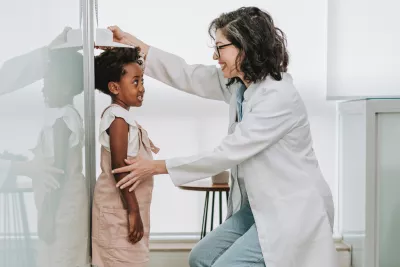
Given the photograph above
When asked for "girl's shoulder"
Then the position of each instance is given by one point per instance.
(116, 111)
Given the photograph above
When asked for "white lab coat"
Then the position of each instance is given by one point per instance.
(291, 202)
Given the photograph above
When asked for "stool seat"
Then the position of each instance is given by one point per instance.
(205, 185)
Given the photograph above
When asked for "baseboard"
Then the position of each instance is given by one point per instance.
(176, 253)
(188, 242)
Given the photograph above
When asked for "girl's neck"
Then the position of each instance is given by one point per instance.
(119, 102)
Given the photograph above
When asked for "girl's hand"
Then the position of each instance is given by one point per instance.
(135, 227)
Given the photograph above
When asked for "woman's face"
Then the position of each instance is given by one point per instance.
(130, 87)
(226, 54)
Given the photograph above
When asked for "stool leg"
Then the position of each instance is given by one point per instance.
(212, 211)
(25, 227)
(220, 207)
(227, 196)
(205, 221)
(204, 224)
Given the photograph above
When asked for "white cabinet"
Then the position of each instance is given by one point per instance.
(369, 180)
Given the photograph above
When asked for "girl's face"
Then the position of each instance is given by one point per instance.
(129, 90)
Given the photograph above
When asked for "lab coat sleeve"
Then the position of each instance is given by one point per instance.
(270, 119)
(5, 166)
(201, 80)
(23, 70)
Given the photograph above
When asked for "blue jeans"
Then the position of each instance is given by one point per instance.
(234, 243)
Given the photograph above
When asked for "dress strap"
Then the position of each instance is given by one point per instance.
(152, 147)
(108, 108)
(105, 111)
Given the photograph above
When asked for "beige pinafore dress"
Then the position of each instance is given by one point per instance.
(110, 245)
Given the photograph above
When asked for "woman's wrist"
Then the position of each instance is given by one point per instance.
(160, 167)
(144, 48)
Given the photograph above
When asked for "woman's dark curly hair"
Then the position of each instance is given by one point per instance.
(261, 45)
(109, 66)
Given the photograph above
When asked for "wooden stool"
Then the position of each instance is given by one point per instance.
(207, 186)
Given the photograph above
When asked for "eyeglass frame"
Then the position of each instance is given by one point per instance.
(218, 47)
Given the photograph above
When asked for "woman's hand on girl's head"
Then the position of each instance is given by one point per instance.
(122, 37)
(118, 34)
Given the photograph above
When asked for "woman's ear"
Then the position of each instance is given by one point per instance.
(113, 87)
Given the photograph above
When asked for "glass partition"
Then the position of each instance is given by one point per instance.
(44, 186)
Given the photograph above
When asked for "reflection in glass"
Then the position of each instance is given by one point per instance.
(43, 195)
(60, 143)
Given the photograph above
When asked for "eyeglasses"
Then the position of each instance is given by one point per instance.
(218, 47)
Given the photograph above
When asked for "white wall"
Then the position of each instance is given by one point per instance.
(363, 54)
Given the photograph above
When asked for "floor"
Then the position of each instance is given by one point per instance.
(169, 259)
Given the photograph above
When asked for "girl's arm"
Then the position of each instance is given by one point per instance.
(118, 133)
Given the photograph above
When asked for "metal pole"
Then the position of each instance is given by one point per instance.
(89, 109)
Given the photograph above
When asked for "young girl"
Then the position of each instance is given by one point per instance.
(121, 219)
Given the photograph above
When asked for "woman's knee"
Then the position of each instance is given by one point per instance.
(194, 259)
(199, 256)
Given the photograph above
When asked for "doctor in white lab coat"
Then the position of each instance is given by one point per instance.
(280, 211)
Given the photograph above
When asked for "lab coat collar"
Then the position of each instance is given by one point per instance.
(250, 91)
(253, 87)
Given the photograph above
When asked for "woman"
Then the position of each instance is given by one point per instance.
(280, 210)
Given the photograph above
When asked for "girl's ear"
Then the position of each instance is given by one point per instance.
(113, 87)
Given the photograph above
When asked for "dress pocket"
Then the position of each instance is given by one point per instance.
(113, 228)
